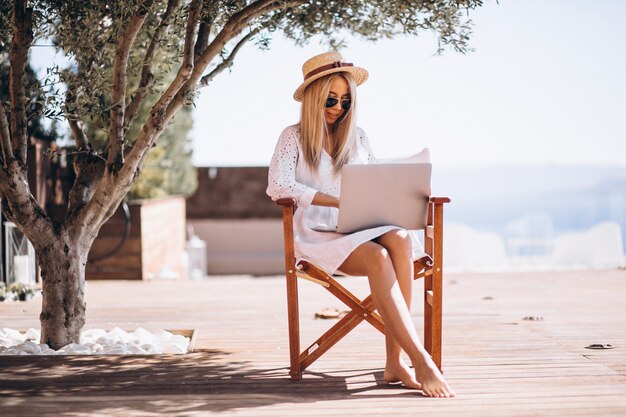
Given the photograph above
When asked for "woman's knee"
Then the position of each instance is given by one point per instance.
(398, 241)
(378, 258)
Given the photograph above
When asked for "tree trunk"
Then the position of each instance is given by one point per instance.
(63, 280)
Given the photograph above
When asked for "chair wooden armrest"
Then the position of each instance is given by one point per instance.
(438, 200)
(287, 201)
(290, 201)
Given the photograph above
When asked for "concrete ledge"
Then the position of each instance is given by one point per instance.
(242, 246)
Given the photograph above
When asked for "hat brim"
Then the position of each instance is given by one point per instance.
(360, 76)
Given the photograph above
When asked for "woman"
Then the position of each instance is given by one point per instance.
(307, 166)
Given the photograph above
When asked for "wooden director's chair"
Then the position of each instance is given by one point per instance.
(361, 309)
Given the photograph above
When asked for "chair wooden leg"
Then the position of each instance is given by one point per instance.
(436, 317)
(432, 326)
(428, 285)
(433, 285)
(428, 320)
(294, 328)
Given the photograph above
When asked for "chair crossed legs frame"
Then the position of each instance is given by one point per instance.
(361, 309)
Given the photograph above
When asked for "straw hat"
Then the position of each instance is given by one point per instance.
(324, 64)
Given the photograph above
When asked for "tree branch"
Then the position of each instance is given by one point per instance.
(185, 71)
(253, 9)
(260, 8)
(79, 135)
(4, 179)
(20, 203)
(195, 13)
(204, 81)
(146, 70)
(120, 79)
(155, 121)
(233, 27)
(89, 169)
(5, 139)
(25, 211)
(22, 38)
(203, 38)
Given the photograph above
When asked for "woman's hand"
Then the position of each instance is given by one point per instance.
(326, 200)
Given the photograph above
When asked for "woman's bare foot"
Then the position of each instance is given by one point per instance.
(433, 384)
(400, 372)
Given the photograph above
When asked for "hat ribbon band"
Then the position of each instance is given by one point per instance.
(323, 68)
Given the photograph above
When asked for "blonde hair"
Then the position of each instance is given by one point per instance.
(313, 126)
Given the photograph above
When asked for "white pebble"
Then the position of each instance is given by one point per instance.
(13, 335)
(5, 341)
(33, 334)
(96, 341)
(114, 350)
(106, 341)
(136, 350)
(93, 333)
(30, 348)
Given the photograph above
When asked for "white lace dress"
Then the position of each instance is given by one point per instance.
(314, 237)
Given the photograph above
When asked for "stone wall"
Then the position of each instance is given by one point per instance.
(232, 193)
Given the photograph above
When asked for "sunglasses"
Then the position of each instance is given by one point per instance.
(332, 101)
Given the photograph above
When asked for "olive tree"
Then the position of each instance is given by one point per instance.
(112, 48)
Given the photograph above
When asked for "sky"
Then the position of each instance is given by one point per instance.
(545, 85)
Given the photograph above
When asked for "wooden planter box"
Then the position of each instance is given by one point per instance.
(154, 248)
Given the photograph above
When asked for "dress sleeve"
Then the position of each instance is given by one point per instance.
(281, 180)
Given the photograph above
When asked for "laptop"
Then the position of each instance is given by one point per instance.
(384, 194)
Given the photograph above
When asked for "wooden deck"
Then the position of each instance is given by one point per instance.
(498, 363)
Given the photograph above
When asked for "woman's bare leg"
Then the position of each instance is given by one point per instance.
(374, 260)
(398, 244)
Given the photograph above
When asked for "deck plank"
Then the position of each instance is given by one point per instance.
(498, 363)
